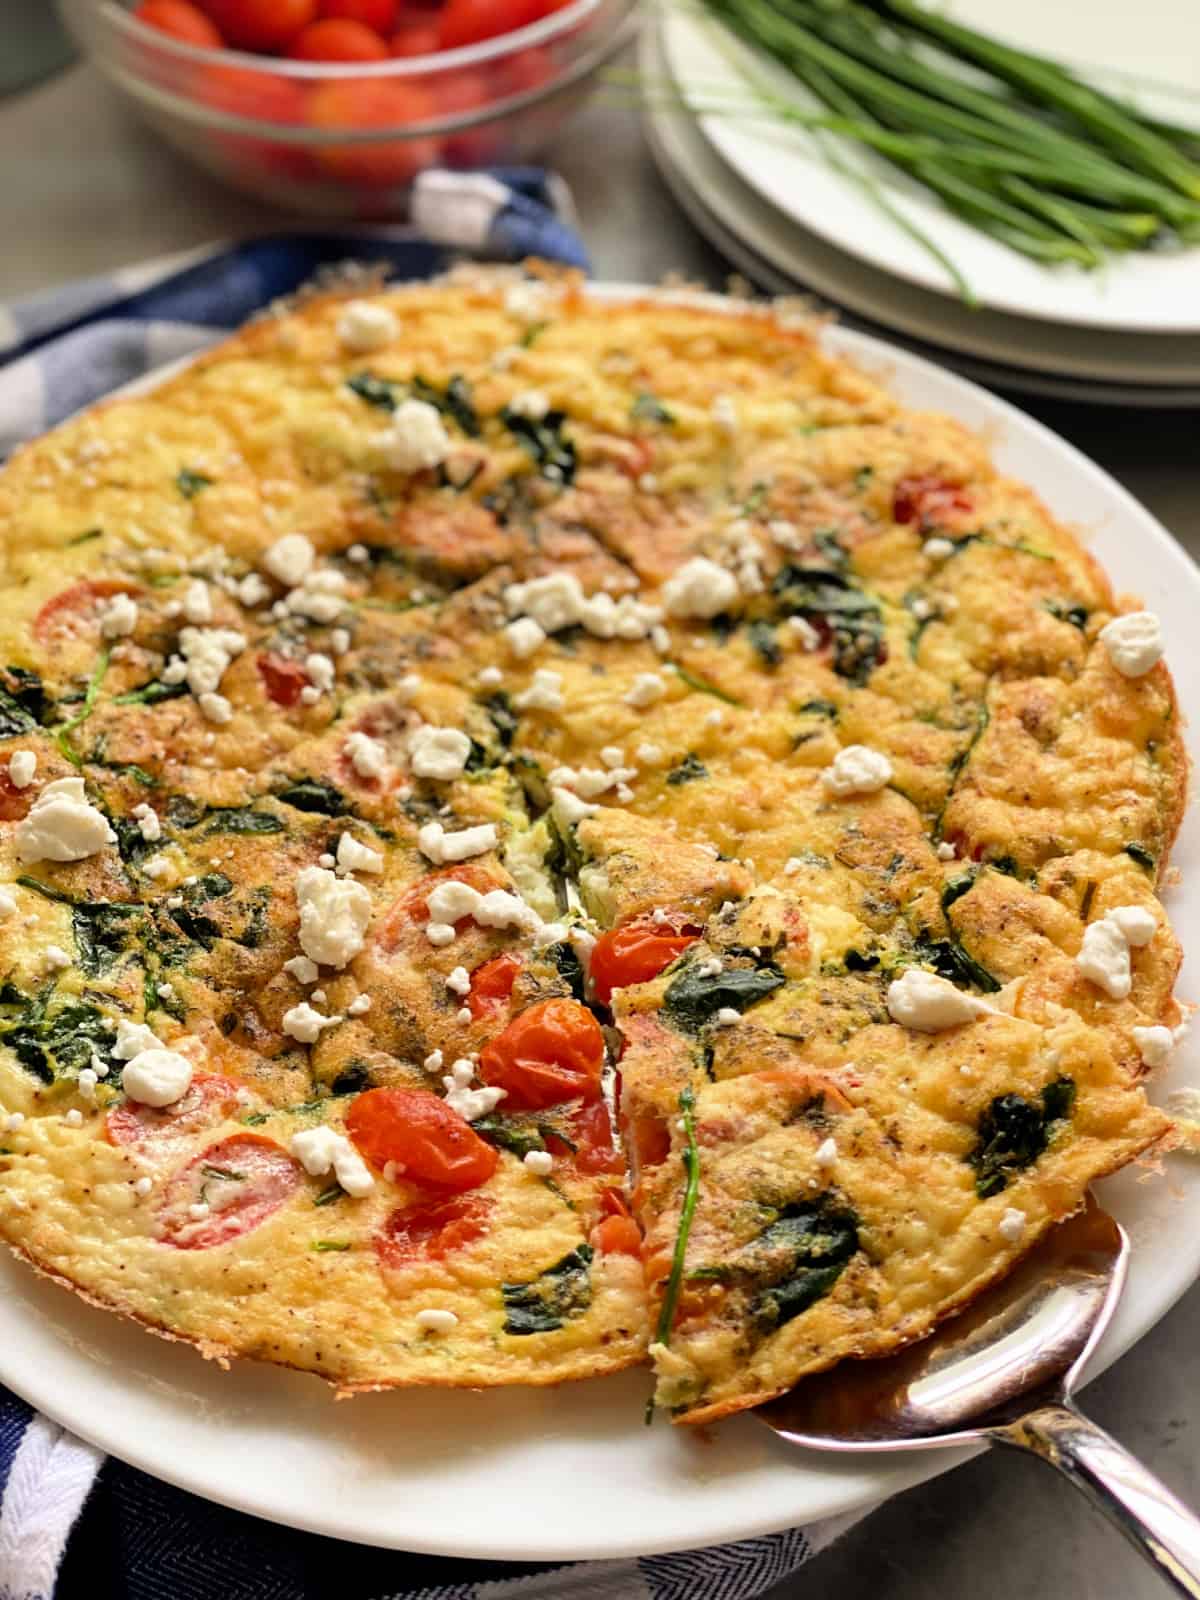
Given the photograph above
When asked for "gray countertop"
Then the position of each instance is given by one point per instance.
(84, 188)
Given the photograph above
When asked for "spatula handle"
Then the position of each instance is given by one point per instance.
(1116, 1483)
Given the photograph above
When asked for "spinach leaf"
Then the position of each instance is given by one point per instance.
(801, 1255)
(354, 1077)
(103, 932)
(950, 960)
(688, 770)
(85, 537)
(820, 708)
(16, 717)
(242, 819)
(454, 401)
(763, 640)
(503, 717)
(692, 998)
(1139, 853)
(190, 483)
(703, 686)
(852, 619)
(542, 439)
(649, 408)
(378, 392)
(1013, 1133)
(184, 812)
(45, 1041)
(1076, 615)
(547, 1301)
(151, 694)
(313, 794)
(570, 969)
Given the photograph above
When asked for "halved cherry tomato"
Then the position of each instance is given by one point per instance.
(76, 609)
(592, 1135)
(617, 1236)
(379, 15)
(416, 39)
(243, 1180)
(284, 679)
(432, 1232)
(211, 1098)
(181, 20)
(14, 802)
(246, 92)
(335, 39)
(550, 1053)
(928, 499)
(649, 1141)
(260, 24)
(418, 1131)
(492, 984)
(364, 104)
(636, 952)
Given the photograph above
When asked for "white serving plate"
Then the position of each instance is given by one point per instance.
(1154, 293)
(556, 1474)
(785, 259)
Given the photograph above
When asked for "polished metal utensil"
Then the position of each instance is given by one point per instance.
(1003, 1372)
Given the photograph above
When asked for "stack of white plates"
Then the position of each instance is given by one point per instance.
(764, 194)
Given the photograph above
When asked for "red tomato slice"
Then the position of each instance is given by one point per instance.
(181, 20)
(550, 1053)
(337, 39)
(260, 24)
(432, 1232)
(617, 1236)
(929, 500)
(284, 679)
(636, 952)
(243, 1179)
(595, 1145)
(210, 1099)
(379, 15)
(425, 1138)
(492, 984)
(351, 104)
(74, 611)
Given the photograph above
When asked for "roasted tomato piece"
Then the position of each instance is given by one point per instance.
(636, 952)
(76, 609)
(492, 984)
(283, 679)
(550, 1053)
(412, 908)
(617, 1236)
(241, 1180)
(432, 1232)
(424, 1138)
(595, 1145)
(929, 500)
(210, 1099)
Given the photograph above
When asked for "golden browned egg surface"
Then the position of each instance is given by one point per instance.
(411, 642)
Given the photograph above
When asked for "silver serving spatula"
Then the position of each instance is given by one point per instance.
(1003, 1372)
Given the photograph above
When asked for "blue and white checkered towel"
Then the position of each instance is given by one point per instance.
(71, 1522)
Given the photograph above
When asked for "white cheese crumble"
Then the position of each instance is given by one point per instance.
(133, 1038)
(334, 913)
(204, 655)
(946, 851)
(320, 671)
(439, 753)
(252, 591)
(435, 1319)
(290, 559)
(589, 782)
(8, 904)
(826, 1154)
(56, 958)
(450, 902)
(142, 1187)
(22, 765)
(156, 1076)
(569, 808)
(441, 846)
(923, 1001)
(645, 689)
(417, 438)
(648, 754)
(1104, 954)
(1134, 642)
(557, 601)
(531, 403)
(354, 856)
(724, 413)
(1012, 1225)
(62, 825)
(118, 616)
(469, 1103)
(305, 1024)
(490, 678)
(699, 588)
(727, 1017)
(938, 549)
(364, 326)
(459, 981)
(857, 770)
(543, 694)
(197, 602)
(1154, 1045)
(539, 1162)
(14, 1120)
(320, 1150)
(359, 1006)
(320, 597)
(74, 1118)
(804, 633)
(524, 637)
(148, 822)
(215, 707)
(367, 756)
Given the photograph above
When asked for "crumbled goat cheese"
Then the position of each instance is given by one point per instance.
(435, 1319)
(439, 753)
(531, 403)
(826, 1154)
(569, 808)
(699, 588)
(459, 981)
(648, 754)
(724, 413)
(557, 601)
(645, 689)
(938, 549)
(543, 694)
(62, 825)
(469, 1103)
(118, 616)
(927, 1003)
(320, 597)
(320, 671)
(727, 1017)
(539, 1162)
(305, 1024)
(148, 823)
(1154, 1045)
(367, 756)
(417, 438)
(56, 958)
(205, 653)
(339, 641)
(22, 765)
(524, 637)
(857, 770)
(1012, 1225)
(588, 782)
(156, 1076)
(490, 678)
(252, 591)
(133, 1038)
(14, 1120)
(320, 1150)
(527, 300)
(1104, 954)
(215, 708)
(441, 846)
(142, 1187)
(364, 326)
(290, 559)
(1134, 642)
(353, 856)
(74, 1118)
(359, 1006)
(946, 851)
(804, 633)
(8, 904)
(334, 913)
(451, 901)
(197, 602)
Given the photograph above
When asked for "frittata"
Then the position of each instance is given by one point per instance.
(536, 829)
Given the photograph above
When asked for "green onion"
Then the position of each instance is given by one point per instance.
(84, 712)
(691, 1166)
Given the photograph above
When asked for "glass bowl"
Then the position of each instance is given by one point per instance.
(346, 140)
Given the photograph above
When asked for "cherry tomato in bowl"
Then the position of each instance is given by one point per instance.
(550, 1053)
(371, 105)
(182, 21)
(335, 39)
(380, 16)
(260, 24)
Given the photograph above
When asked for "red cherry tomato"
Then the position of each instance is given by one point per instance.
(466, 22)
(14, 802)
(617, 1236)
(550, 1053)
(181, 20)
(284, 679)
(366, 104)
(636, 952)
(243, 1179)
(260, 24)
(432, 1232)
(492, 984)
(246, 92)
(459, 94)
(524, 71)
(75, 610)
(378, 15)
(210, 1099)
(416, 39)
(592, 1135)
(929, 500)
(333, 39)
(418, 1131)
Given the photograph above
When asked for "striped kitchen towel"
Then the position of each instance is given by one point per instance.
(72, 1522)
